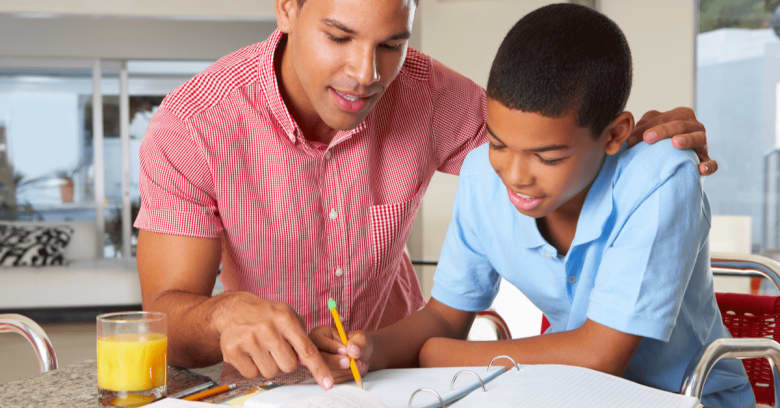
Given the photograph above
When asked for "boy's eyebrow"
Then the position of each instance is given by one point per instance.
(536, 150)
(340, 26)
(493, 134)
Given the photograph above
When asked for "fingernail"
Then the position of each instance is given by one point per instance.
(344, 363)
(354, 351)
(650, 136)
(342, 350)
(706, 167)
(327, 382)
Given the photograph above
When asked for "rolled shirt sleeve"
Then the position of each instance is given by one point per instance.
(177, 188)
(649, 260)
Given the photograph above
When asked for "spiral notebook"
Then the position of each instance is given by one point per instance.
(544, 385)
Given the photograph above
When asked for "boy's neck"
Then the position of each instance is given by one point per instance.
(559, 227)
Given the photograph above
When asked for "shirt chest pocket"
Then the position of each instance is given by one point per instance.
(390, 228)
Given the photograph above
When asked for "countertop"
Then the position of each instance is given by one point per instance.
(76, 385)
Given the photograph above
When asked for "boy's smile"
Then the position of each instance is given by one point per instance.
(546, 163)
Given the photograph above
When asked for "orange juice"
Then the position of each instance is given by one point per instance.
(132, 362)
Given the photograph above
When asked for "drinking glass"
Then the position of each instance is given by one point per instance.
(132, 358)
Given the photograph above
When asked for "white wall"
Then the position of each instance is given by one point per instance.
(79, 36)
(206, 9)
(661, 34)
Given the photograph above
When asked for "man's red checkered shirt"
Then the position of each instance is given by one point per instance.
(302, 221)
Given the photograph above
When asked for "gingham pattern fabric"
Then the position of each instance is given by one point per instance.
(302, 221)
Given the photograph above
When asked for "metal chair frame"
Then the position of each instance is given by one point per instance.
(734, 264)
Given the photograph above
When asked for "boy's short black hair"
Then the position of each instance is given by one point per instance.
(562, 57)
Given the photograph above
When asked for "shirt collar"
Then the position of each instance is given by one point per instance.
(597, 208)
(269, 85)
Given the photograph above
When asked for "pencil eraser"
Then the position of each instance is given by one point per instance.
(331, 304)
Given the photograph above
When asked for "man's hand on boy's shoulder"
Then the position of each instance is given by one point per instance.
(682, 126)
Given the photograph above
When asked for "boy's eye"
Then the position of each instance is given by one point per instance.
(551, 161)
(337, 39)
(495, 146)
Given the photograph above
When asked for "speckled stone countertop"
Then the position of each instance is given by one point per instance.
(76, 386)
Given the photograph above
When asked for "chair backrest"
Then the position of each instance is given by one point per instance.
(748, 315)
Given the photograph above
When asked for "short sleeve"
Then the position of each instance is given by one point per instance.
(464, 279)
(647, 265)
(459, 112)
(177, 188)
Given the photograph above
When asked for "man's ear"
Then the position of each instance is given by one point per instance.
(286, 13)
(617, 132)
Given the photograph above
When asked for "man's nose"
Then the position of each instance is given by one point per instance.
(363, 67)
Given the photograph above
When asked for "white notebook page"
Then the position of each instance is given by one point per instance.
(392, 386)
(553, 386)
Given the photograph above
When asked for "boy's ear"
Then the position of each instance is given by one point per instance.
(617, 132)
(286, 13)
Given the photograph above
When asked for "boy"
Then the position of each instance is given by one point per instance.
(611, 244)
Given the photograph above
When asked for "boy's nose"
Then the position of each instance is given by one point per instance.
(517, 174)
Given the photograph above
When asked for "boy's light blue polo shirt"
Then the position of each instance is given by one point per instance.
(639, 262)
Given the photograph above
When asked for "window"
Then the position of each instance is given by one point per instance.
(47, 153)
(738, 99)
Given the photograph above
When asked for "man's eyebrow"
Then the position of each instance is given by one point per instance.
(335, 24)
(400, 36)
(340, 26)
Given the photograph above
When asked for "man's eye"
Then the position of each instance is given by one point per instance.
(495, 146)
(392, 47)
(337, 39)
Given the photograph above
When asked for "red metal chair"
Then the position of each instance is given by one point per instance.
(751, 316)
(497, 322)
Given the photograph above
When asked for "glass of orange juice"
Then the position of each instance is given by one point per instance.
(132, 358)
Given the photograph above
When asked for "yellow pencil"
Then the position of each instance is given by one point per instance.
(335, 313)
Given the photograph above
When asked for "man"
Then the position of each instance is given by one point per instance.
(298, 164)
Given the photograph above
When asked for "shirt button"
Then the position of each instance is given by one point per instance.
(339, 272)
(327, 155)
(333, 214)
(572, 278)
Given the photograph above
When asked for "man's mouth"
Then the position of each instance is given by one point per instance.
(348, 101)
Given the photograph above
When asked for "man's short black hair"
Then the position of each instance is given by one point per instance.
(563, 57)
(300, 2)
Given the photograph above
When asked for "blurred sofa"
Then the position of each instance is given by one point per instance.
(84, 279)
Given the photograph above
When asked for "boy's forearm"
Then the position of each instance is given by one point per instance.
(610, 354)
(399, 344)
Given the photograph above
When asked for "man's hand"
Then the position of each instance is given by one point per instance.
(257, 336)
(682, 126)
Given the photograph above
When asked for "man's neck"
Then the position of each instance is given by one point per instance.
(294, 97)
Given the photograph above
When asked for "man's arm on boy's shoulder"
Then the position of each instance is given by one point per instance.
(683, 127)
(592, 345)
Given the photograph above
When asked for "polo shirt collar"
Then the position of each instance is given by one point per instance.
(598, 205)
(269, 85)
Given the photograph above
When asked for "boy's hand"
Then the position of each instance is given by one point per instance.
(336, 355)
(682, 126)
